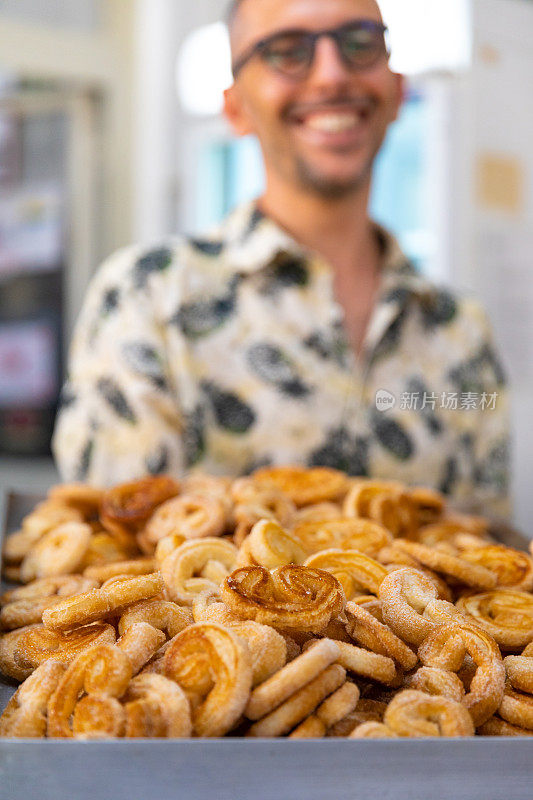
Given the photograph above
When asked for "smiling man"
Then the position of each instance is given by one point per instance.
(297, 331)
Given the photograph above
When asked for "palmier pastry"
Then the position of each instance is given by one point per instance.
(305, 486)
(269, 546)
(85, 703)
(23, 650)
(355, 571)
(25, 714)
(156, 707)
(193, 516)
(58, 552)
(162, 614)
(513, 569)
(348, 534)
(126, 508)
(197, 566)
(433, 680)
(507, 615)
(212, 666)
(290, 597)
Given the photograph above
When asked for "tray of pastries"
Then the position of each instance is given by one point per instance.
(292, 619)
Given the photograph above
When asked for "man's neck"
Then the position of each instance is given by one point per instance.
(338, 229)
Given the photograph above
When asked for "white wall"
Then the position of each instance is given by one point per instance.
(498, 242)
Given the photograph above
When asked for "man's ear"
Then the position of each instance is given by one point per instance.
(235, 113)
(400, 93)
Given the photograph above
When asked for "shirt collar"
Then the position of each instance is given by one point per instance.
(252, 241)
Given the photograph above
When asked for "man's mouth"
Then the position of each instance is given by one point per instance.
(332, 119)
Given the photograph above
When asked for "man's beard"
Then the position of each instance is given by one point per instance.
(332, 188)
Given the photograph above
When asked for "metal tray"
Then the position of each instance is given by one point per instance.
(241, 769)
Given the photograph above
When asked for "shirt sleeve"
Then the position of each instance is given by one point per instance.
(485, 441)
(119, 416)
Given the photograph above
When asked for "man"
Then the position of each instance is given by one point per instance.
(297, 332)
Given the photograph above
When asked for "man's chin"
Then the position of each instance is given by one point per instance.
(329, 186)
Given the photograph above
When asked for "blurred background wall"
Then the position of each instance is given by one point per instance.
(110, 133)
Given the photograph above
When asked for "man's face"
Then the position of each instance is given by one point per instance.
(321, 133)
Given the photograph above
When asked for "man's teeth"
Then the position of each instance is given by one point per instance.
(333, 123)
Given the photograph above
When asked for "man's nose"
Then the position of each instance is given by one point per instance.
(328, 66)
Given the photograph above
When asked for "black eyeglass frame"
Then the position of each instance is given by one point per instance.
(312, 38)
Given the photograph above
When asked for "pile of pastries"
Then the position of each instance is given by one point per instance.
(294, 602)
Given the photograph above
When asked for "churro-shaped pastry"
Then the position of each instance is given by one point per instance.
(470, 574)
(404, 595)
(411, 713)
(517, 708)
(372, 730)
(140, 642)
(346, 533)
(365, 629)
(212, 666)
(495, 726)
(354, 570)
(433, 680)
(161, 614)
(184, 570)
(126, 508)
(23, 650)
(305, 486)
(112, 598)
(504, 613)
(25, 714)
(85, 703)
(290, 597)
(365, 663)
(269, 546)
(338, 705)
(513, 569)
(310, 728)
(300, 705)
(519, 670)
(193, 516)
(138, 566)
(299, 672)
(156, 707)
(58, 552)
(447, 646)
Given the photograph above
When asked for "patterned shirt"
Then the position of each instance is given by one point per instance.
(230, 352)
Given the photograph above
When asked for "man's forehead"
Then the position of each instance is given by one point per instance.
(254, 19)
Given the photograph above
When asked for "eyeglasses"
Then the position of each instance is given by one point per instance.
(361, 44)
